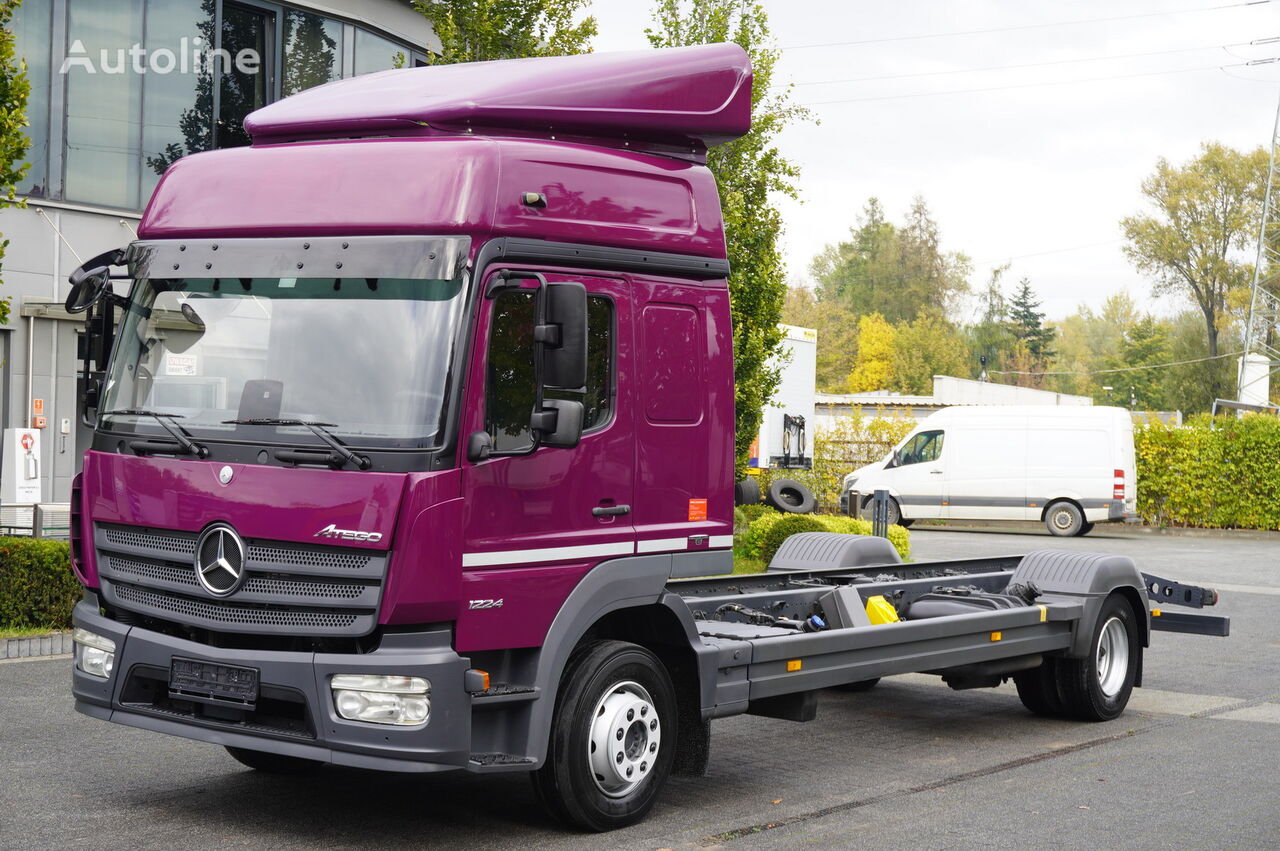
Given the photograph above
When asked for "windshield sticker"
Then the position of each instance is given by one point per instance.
(180, 364)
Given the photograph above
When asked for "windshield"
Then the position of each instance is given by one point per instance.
(368, 358)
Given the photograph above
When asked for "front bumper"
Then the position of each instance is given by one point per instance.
(294, 715)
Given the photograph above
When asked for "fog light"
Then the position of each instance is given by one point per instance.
(377, 699)
(95, 654)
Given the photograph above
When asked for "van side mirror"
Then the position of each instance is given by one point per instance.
(558, 423)
(562, 332)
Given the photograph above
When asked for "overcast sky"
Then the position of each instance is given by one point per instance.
(1038, 175)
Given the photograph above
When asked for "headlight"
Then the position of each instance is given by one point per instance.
(95, 654)
(378, 699)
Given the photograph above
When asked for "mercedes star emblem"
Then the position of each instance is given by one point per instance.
(220, 560)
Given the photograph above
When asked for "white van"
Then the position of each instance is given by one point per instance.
(1067, 466)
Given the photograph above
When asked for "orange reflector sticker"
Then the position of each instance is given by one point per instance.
(1044, 614)
(996, 636)
(697, 509)
(1155, 613)
(794, 665)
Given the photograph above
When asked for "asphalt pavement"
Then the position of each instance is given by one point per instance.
(1194, 762)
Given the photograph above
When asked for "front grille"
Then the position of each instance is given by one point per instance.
(289, 589)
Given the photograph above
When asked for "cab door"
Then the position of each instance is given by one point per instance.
(535, 520)
(919, 476)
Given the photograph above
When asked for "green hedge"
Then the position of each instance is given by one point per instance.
(763, 537)
(37, 587)
(1219, 475)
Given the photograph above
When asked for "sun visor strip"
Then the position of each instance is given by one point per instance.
(406, 257)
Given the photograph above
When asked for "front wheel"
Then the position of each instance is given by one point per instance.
(612, 739)
(1097, 687)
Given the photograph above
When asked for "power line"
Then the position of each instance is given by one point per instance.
(1050, 251)
(1037, 85)
(1023, 65)
(1117, 369)
(1022, 27)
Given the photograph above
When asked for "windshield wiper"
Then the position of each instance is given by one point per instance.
(320, 430)
(185, 443)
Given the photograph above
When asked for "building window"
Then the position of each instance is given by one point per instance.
(374, 53)
(245, 71)
(177, 107)
(33, 32)
(125, 128)
(104, 109)
(312, 51)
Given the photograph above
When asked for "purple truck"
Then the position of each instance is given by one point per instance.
(413, 451)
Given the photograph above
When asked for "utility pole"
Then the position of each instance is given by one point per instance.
(1260, 344)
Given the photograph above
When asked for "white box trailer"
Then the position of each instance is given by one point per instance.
(785, 437)
(1066, 466)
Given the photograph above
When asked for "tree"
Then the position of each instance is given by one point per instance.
(1206, 215)
(873, 368)
(837, 335)
(924, 348)
(1027, 323)
(990, 339)
(898, 272)
(480, 30)
(1145, 344)
(15, 88)
(750, 172)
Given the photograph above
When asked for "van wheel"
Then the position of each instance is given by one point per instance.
(790, 496)
(612, 738)
(1097, 687)
(894, 513)
(1064, 519)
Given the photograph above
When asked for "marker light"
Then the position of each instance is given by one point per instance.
(95, 654)
(379, 699)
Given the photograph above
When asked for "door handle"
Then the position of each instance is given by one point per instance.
(935, 472)
(610, 510)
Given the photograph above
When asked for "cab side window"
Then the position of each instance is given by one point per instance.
(511, 384)
(924, 447)
(598, 396)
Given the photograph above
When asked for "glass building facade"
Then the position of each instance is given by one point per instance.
(120, 89)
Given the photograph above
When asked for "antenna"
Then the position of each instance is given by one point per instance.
(1261, 345)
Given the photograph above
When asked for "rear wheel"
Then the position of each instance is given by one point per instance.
(1097, 688)
(612, 739)
(273, 763)
(1064, 519)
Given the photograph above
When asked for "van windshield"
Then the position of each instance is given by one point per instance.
(367, 358)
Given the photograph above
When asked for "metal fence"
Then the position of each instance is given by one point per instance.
(45, 520)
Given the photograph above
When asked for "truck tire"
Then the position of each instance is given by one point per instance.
(273, 763)
(790, 496)
(612, 738)
(1064, 519)
(747, 491)
(1038, 689)
(1097, 688)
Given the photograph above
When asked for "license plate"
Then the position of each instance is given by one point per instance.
(206, 679)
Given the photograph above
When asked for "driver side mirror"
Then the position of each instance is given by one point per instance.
(559, 423)
(92, 281)
(562, 333)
